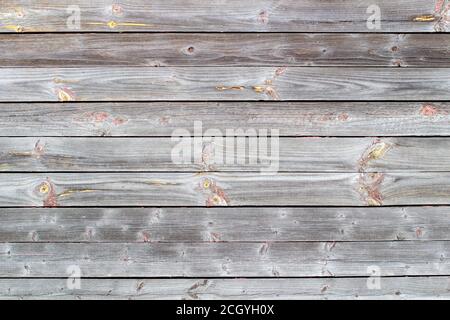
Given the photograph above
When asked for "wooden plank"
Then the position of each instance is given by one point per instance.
(235, 15)
(231, 259)
(224, 83)
(223, 224)
(212, 289)
(287, 154)
(237, 49)
(290, 118)
(224, 189)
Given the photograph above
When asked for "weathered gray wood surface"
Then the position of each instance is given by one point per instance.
(233, 289)
(224, 189)
(162, 118)
(119, 207)
(223, 224)
(237, 49)
(291, 154)
(215, 15)
(230, 259)
(222, 83)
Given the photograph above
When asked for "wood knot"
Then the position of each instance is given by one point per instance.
(145, 236)
(196, 286)
(425, 18)
(263, 17)
(206, 184)
(268, 90)
(428, 110)
(117, 9)
(44, 188)
(419, 232)
(369, 188)
(65, 94)
(280, 71)
(39, 149)
(374, 152)
(111, 24)
(15, 28)
(20, 13)
(48, 191)
(214, 237)
(216, 195)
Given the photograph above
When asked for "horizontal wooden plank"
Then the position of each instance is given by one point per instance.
(224, 189)
(231, 259)
(290, 118)
(237, 49)
(235, 15)
(223, 224)
(222, 83)
(224, 154)
(230, 289)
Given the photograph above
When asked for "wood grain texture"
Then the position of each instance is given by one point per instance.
(231, 259)
(229, 289)
(224, 189)
(235, 15)
(236, 49)
(222, 83)
(287, 154)
(162, 118)
(223, 224)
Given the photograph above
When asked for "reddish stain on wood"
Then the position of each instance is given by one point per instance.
(429, 110)
(215, 237)
(331, 245)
